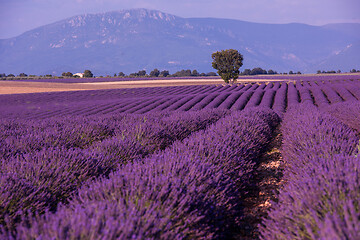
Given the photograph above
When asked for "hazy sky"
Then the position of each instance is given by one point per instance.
(18, 16)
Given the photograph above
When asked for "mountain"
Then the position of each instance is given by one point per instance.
(136, 39)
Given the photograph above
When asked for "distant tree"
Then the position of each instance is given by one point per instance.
(182, 73)
(22, 75)
(211, 74)
(164, 73)
(339, 71)
(67, 74)
(155, 73)
(318, 71)
(88, 74)
(291, 72)
(298, 72)
(142, 73)
(227, 62)
(115, 75)
(2, 75)
(271, 72)
(195, 73)
(133, 75)
(353, 70)
(11, 75)
(121, 74)
(258, 71)
(247, 71)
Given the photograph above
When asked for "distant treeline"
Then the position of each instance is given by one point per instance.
(157, 73)
(338, 71)
(140, 74)
(165, 73)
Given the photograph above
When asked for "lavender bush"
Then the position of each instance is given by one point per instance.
(191, 190)
(56, 159)
(321, 179)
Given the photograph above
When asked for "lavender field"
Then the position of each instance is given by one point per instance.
(274, 160)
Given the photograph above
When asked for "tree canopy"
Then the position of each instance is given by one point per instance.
(88, 74)
(227, 62)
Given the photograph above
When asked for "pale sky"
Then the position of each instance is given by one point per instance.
(18, 16)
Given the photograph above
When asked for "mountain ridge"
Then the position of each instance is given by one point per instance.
(136, 39)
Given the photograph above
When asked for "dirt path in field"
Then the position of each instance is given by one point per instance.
(13, 87)
(268, 179)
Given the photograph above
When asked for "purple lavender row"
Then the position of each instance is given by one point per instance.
(306, 96)
(205, 89)
(217, 101)
(320, 99)
(255, 98)
(143, 105)
(229, 101)
(268, 98)
(43, 162)
(205, 101)
(279, 105)
(187, 106)
(193, 190)
(242, 100)
(343, 92)
(262, 86)
(165, 104)
(152, 106)
(354, 90)
(42, 106)
(276, 86)
(321, 176)
(34, 106)
(179, 103)
(346, 112)
(293, 95)
(330, 93)
(269, 86)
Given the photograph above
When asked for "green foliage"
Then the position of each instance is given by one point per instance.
(271, 72)
(182, 73)
(227, 62)
(88, 74)
(258, 71)
(247, 71)
(164, 73)
(142, 73)
(67, 74)
(155, 73)
(195, 73)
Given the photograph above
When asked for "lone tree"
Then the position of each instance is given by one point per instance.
(227, 62)
(88, 74)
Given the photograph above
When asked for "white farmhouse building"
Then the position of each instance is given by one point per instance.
(79, 75)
